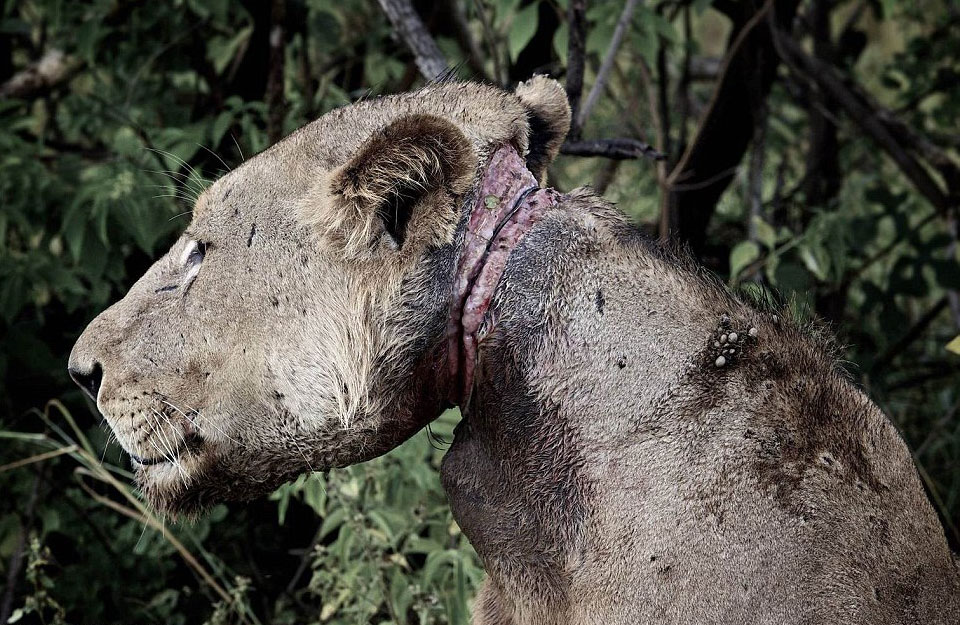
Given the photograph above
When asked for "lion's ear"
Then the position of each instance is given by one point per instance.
(549, 115)
(405, 181)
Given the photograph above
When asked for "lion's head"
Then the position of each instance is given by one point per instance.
(300, 321)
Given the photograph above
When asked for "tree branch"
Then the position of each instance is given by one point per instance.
(617, 149)
(430, 61)
(576, 60)
(870, 117)
(621, 29)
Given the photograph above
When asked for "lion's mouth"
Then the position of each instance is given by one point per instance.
(147, 462)
(190, 443)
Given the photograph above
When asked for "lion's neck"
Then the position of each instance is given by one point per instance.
(586, 332)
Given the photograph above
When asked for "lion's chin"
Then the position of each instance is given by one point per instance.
(201, 482)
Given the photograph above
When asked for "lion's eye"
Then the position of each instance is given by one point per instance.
(192, 257)
(197, 251)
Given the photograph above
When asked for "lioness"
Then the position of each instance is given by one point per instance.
(638, 446)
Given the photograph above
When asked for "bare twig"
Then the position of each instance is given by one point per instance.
(69, 449)
(430, 61)
(576, 61)
(618, 149)
(608, 58)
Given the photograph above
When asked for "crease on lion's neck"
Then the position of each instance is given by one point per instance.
(509, 202)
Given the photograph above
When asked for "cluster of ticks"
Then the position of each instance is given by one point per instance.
(730, 343)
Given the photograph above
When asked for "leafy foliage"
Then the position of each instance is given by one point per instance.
(99, 168)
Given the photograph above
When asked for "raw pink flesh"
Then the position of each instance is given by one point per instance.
(482, 262)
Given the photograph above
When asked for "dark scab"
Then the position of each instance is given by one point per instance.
(226, 195)
(600, 301)
(621, 363)
(164, 289)
(274, 301)
(253, 232)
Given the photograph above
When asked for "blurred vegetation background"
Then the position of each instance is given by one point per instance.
(811, 151)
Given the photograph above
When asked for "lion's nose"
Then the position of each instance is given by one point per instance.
(88, 380)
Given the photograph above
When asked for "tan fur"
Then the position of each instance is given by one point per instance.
(607, 469)
(311, 336)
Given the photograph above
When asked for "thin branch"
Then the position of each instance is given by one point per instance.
(885, 250)
(864, 113)
(576, 61)
(723, 132)
(617, 149)
(430, 61)
(69, 449)
(618, 34)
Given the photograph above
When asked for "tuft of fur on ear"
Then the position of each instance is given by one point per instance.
(549, 116)
(405, 181)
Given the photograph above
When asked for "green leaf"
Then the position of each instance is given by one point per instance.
(220, 127)
(954, 345)
(816, 260)
(561, 41)
(765, 232)
(522, 29)
(742, 255)
(221, 51)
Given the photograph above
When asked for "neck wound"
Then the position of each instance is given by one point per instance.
(508, 204)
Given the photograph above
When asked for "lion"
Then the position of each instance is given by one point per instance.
(637, 444)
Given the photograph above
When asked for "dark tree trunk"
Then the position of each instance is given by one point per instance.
(711, 161)
(537, 57)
